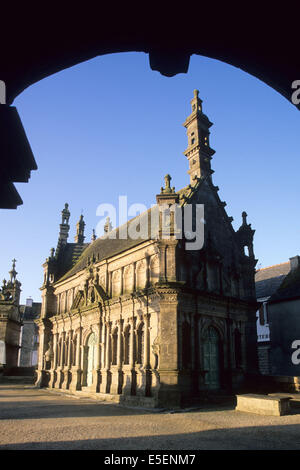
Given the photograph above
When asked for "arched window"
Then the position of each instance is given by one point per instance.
(140, 344)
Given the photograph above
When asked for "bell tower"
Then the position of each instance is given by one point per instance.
(198, 152)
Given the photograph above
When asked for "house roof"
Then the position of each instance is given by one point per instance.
(111, 244)
(268, 280)
(289, 288)
(30, 313)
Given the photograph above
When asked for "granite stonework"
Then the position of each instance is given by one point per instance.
(263, 404)
(10, 320)
(146, 320)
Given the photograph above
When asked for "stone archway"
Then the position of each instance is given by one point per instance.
(169, 53)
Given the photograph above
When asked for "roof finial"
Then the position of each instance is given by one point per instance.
(79, 238)
(107, 225)
(244, 216)
(13, 273)
(167, 188)
(93, 235)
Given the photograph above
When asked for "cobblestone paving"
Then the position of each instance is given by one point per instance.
(31, 418)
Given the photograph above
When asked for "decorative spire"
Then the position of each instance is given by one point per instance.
(13, 273)
(93, 236)
(79, 238)
(167, 188)
(107, 225)
(244, 216)
(198, 151)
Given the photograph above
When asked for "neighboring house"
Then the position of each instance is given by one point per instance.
(267, 281)
(29, 334)
(284, 314)
(152, 320)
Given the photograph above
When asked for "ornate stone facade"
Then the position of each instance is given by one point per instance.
(10, 320)
(145, 320)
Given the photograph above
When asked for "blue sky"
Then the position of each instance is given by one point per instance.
(111, 126)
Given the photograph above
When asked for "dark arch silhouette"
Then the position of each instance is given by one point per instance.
(38, 44)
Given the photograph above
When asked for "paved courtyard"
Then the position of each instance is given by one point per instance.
(38, 419)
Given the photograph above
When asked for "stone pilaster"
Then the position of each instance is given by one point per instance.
(44, 335)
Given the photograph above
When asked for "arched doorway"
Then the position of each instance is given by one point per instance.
(211, 357)
(91, 358)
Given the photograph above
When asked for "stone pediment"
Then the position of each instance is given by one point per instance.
(92, 294)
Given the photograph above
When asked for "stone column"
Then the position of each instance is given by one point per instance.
(116, 379)
(55, 350)
(53, 373)
(69, 359)
(103, 333)
(62, 361)
(192, 341)
(132, 356)
(106, 376)
(67, 365)
(76, 370)
(146, 341)
(143, 371)
(134, 276)
(162, 262)
(170, 392)
(122, 280)
(44, 334)
(147, 271)
(95, 387)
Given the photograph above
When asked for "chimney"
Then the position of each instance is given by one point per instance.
(29, 302)
(295, 262)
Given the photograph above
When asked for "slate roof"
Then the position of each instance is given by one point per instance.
(30, 313)
(106, 247)
(69, 255)
(290, 287)
(268, 280)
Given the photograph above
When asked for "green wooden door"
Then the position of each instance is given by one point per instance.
(211, 359)
(91, 358)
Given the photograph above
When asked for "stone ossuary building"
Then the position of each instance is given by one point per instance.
(144, 319)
